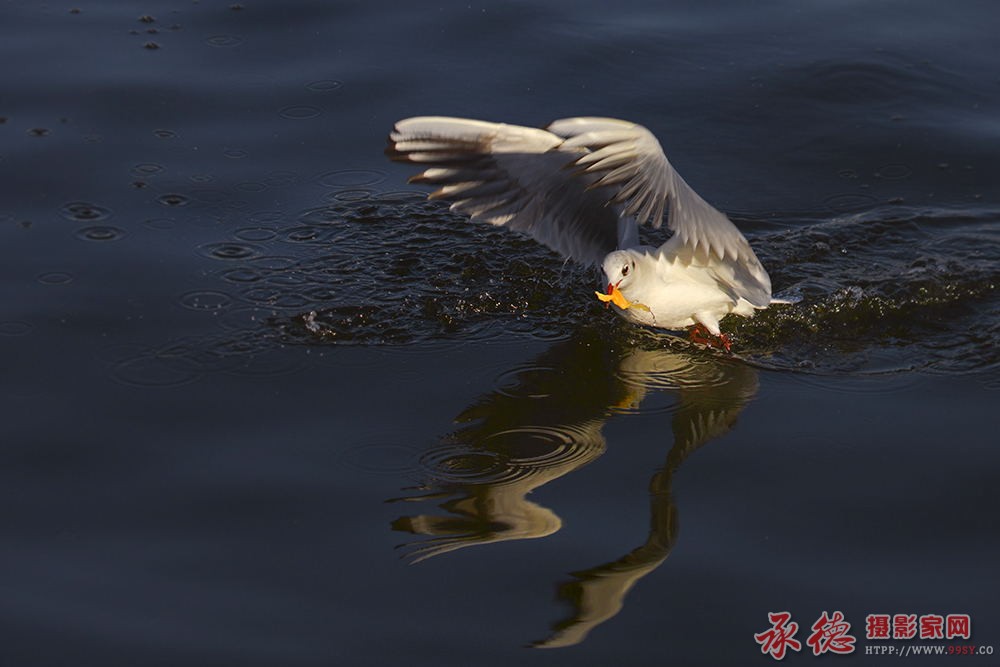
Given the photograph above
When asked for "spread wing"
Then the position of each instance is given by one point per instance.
(580, 187)
(628, 157)
(516, 177)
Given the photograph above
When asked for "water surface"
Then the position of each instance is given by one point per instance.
(264, 404)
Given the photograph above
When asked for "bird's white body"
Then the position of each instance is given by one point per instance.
(674, 295)
(583, 186)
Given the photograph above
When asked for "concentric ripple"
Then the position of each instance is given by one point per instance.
(100, 233)
(231, 251)
(459, 464)
(510, 455)
(81, 211)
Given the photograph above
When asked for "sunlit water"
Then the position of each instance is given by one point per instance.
(264, 404)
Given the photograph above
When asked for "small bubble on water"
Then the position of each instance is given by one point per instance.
(893, 171)
(84, 211)
(100, 233)
(173, 199)
(147, 169)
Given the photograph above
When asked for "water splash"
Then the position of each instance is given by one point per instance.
(888, 289)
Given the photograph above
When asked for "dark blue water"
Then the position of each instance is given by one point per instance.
(264, 405)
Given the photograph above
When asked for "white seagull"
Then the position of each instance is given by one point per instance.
(582, 186)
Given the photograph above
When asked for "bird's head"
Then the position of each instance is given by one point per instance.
(619, 270)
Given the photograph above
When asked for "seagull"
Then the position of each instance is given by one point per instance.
(583, 186)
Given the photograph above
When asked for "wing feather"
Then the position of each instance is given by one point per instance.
(512, 176)
(567, 186)
(627, 156)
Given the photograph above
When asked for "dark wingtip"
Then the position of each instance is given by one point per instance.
(393, 153)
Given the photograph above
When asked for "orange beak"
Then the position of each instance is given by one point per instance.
(614, 296)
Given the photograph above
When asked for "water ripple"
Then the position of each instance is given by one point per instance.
(350, 178)
(15, 328)
(255, 234)
(205, 300)
(224, 41)
(55, 278)
(887, 289)
(82, 211)
(230, 251)
(301, 112)
(173, 200)
(100, 233)
(324, 86)
(156, 370)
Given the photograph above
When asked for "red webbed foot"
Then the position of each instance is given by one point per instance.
(699, 334)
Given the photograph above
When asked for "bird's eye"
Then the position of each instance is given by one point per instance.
(625, 270)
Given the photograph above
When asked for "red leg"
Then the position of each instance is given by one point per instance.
(699, 334)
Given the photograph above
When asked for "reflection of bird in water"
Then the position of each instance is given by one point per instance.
(519, 438)
(711, 398)
(515, 440)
